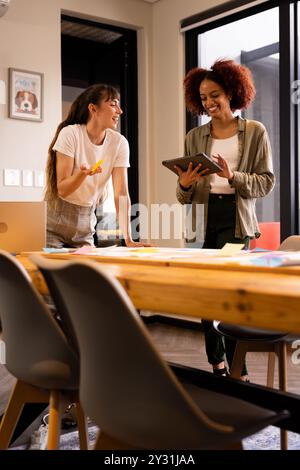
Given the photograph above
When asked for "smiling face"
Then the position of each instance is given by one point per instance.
(107, 113)
(214, 99)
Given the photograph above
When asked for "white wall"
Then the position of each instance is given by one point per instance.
(30, 40)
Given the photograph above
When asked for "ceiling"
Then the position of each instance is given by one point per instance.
(92, 33)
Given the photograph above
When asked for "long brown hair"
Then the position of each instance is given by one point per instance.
(78, 114)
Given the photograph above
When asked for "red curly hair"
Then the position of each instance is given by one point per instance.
(235, 79)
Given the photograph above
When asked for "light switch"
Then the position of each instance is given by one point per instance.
(27, 178)
(11, 177)
(2, 92)
(39, 178)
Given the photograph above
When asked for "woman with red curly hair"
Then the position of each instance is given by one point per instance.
(241, 148)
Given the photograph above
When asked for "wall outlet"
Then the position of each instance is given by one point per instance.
(39, 178)
(27, 178)
(11, 177)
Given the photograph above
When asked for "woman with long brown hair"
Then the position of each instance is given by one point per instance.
(84, 153)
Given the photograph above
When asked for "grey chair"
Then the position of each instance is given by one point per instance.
(126, 387)
(37, 354)
(252, 339)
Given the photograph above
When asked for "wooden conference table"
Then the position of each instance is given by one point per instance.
(203, 286)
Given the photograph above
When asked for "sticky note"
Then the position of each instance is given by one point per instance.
(96, 165)
(231, 249)
(145, 250)
(84, 250)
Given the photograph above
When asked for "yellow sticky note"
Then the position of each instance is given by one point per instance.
(96, 165)
(145, 250)
(231, 249)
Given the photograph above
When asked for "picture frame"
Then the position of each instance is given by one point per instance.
(26, 95)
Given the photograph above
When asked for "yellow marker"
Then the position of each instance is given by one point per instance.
(96, 165)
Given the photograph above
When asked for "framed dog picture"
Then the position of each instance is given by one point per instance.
(25, 95)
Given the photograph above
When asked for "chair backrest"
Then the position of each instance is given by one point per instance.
(61, 310)
(125, 386)
(291, 243)
(37, 351)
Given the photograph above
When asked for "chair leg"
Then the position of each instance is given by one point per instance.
(82, 427)
(271, 369)
(282, 367)
(236, 446)
(21, 394)
(55, 413)
(238, 359)
(282, 360)
(12, 414)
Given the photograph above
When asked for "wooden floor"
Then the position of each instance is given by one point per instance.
(186, 346)
(183, 345)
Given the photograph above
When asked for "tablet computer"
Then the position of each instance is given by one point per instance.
(183, 162)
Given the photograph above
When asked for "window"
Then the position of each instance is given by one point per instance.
(259, 52)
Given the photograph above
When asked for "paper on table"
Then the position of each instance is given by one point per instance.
(231, 249)
(58, 250)
(92, 250)
(277, 258)
(145, 252)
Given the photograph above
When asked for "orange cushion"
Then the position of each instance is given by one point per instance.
(270, 236)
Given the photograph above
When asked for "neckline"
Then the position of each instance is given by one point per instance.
(226, 138)
(236, 120)
(89, 140)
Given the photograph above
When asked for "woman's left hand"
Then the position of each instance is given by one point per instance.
(226, 171)
(132, 244)
(88, 169)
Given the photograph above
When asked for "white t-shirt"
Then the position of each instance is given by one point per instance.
(74, 142)
(229, 149)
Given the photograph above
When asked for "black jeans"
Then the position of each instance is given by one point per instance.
(220, 230)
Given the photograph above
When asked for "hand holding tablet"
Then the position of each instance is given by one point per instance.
(206, 162)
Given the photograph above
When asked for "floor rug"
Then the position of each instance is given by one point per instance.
(268, 439)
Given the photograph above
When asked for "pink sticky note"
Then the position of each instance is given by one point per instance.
(83, 250)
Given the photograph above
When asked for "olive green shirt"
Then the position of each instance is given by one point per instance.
(254, 176)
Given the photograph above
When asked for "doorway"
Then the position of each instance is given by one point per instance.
(92, 53)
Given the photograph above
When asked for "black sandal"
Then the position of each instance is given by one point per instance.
(221, 372)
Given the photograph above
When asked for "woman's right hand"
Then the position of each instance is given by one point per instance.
(190, 176)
